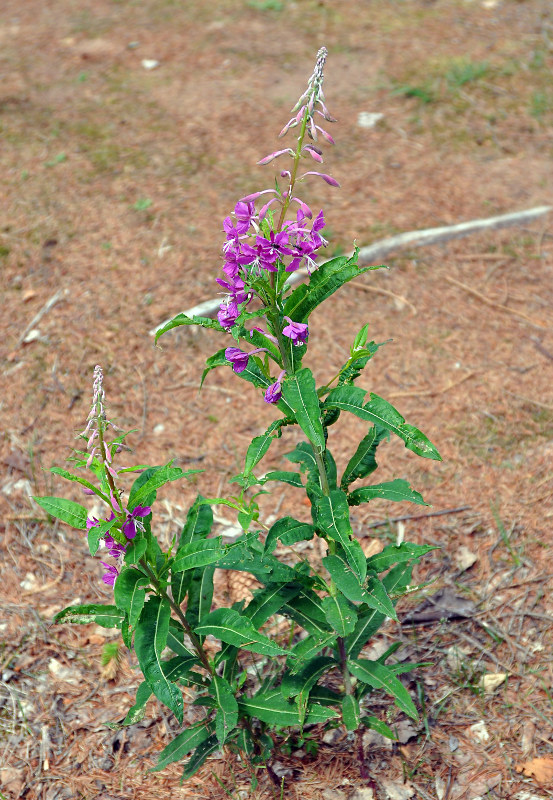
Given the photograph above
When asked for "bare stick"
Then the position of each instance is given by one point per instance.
(540, 348)
(418, 516)
(44, 310)
(382, 248)
(493, 304)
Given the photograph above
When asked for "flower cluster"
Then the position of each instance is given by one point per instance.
(132, 523)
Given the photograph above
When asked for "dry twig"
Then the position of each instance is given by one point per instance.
(493, 304)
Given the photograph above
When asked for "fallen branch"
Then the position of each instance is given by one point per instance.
(492, 303)
(44, 310)
(384, 522)
(379, 250)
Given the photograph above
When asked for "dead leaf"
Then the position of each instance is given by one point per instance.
(540, 769)
(445, 604)
(465, 558)
(527, 738)
(491, 680)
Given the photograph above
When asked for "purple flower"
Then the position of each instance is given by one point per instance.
(114, 548)
(327, 178)
(274, 391)
(296, 331)
(110, 574)
(132, 523)
(239, 359)
(228, 314)
(235, 286)
(244, 213)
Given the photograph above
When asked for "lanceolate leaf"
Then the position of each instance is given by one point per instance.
(231, 627)
(160, 477)
(345, 579)
(326, 280)
(381, 413)
(198, 554)
(300, 393)
(199, 521)
(303, 454)
(291, 478)
(332, 514)
(72, 513)
(307, 611)
(201, 753)
(350, 712)
(179, 667)
(227, 711)
(182, 744)
(340, 614)
(363, 461)
(380, 727)
(257, 449)
(182, 319)
(289, 531)
(137, 712)
(302, 682)
(129, 593)
(149, 641)
(397, 490)
(70, 477)
(378, 597)
(393, 554)
(367, 625)
(200, 595)
(271, 707)
(379, 676)
(268, 601)
(307, 649)
(105, 616)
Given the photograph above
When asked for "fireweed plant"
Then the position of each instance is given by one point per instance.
(289, 663)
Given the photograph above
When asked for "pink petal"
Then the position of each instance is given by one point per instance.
(327, 178)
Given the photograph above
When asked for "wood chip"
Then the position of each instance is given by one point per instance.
(540, 769)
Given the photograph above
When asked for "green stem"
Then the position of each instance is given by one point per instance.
(344, 665)
(196, 643)
(297, 156)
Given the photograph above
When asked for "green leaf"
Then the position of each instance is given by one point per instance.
(291, 478)
(326, 280)
(227, 711)
(150, 639)
(380, 727)
(182, 319)
(201, 753)
(161, 476)
(345, 579)
(308, 648)
(307, 611)
(363, 461)
(393, 554)
(136, 713)
(367, 625)
(398, 578)
(383, 414)
(302, 682)
(332, 515)
(72, 513)
(231, 627)
(271, 707)
(179, 667)
(257, 449)
(340, 614)
(198, 554)
(268, 601)
(129, 594)
(397, 490)
(136, 550)
(304, 456)
(175, 639)
(199, 522)
(183, 744)
(300, 393)
(289, 531)
(379, 676)
(377, 597)
(105, 616)
(63, 473)
(350, 712)
(200, 595)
